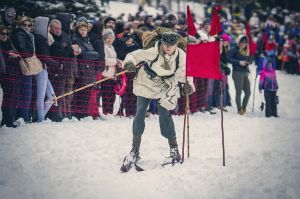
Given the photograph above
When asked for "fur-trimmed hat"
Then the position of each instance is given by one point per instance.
(242, 38)
(169, 38)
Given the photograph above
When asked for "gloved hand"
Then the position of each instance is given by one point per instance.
(183, 89)
(130, 67)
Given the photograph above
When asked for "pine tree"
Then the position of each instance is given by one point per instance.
(87, 8)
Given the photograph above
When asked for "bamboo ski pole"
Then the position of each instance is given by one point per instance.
(186, 124)
(88, 85)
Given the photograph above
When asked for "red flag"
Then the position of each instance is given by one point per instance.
(190, 22)
(252, 44)
(203, 60)
(216, 26)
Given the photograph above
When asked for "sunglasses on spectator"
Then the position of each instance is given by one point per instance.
(4, 33)
(244, 42)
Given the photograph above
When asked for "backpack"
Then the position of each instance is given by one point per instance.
(150, 38)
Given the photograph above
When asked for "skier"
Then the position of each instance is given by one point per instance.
(159, 70)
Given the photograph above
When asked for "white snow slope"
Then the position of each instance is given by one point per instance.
(82, 159)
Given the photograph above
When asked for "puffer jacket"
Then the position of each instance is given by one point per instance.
(61, 50)
(88, 60)
(23, 42)
(87, 50)
(268, 79)
(234, 57)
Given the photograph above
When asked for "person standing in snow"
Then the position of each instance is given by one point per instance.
(238, 56)
(268, 83)
(159, 69)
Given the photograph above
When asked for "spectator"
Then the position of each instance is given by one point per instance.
(238, 56)
(268, 83)
(84, 102)
(8, 78)
(10, 18)
(148, 22)
(62, 51)
(97, 42)
(111, 64)
(70, 69)
(128, 99)
(43, 41)
(23, 41)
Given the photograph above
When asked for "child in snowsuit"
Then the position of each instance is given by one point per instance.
(268, 83)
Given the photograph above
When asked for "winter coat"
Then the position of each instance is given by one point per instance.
(2, 62)
(61, 50)
(10, 65)
(124, 50)
(153, 88)
(268, 79)
(98, 45)
(88, 60)
(23, 42)
(42, 45)
(234, 57)
(110, 61)
(87, 50)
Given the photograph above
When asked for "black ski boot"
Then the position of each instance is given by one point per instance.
(131, 160)
(173, 158)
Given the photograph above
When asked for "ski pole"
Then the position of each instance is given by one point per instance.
(87, 86)
(254, 93)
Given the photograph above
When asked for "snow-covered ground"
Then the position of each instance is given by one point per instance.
(79, 160)
(82, 159)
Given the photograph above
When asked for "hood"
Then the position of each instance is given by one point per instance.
(65, 19)
(97, 28)
(241, 37)
(41, 26)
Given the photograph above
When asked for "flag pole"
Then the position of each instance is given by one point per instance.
(187, 107)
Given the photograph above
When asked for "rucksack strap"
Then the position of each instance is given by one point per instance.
(152, 73)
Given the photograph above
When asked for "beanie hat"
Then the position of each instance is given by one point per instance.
(226, 37)
(10, 12)
(81, 19)
(106, 20)
(108, 33)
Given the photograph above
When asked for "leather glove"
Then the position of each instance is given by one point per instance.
(130, 67)
(189, 89)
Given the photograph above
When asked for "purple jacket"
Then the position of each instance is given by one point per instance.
(268, 79)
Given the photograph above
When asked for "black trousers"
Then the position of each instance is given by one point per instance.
(108, 96)
(271, 104)
(10, 93)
